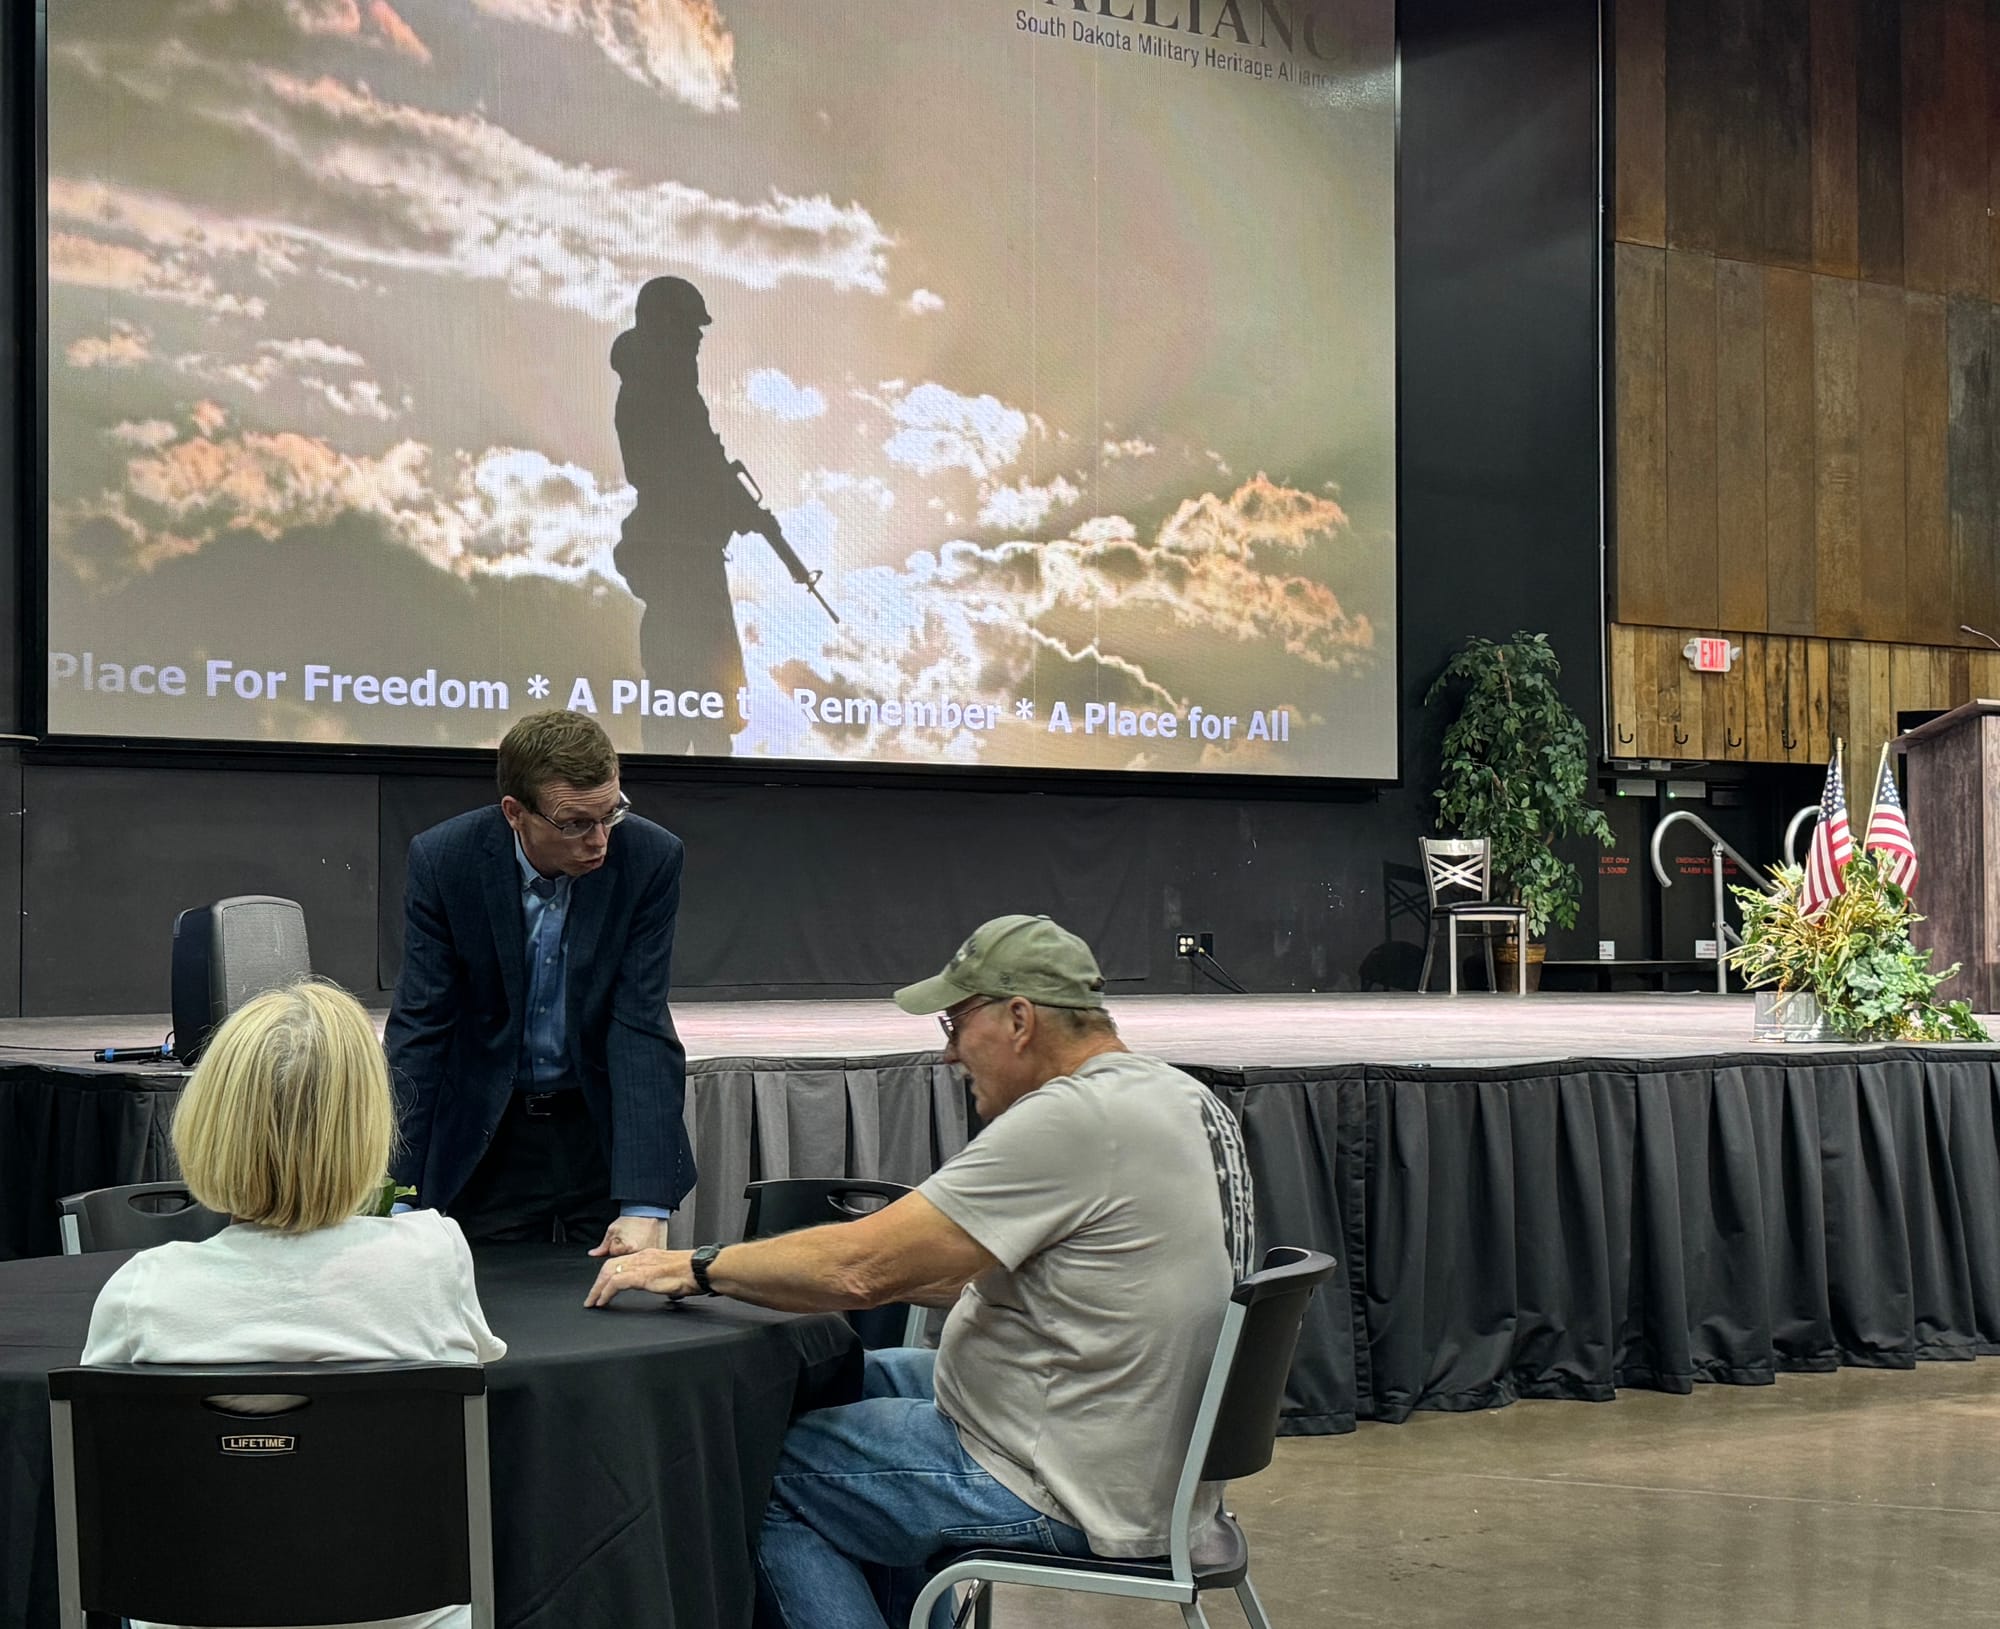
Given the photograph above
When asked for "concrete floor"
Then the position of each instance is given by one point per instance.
(1867, 1497)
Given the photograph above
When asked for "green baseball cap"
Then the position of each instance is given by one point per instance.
(1026, 956)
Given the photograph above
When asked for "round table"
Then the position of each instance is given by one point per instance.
(632, 1446)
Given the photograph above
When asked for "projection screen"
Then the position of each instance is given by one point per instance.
(954, 382)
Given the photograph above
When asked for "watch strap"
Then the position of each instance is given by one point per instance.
(698, 1264)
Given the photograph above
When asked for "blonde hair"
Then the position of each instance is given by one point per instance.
(287, 1122)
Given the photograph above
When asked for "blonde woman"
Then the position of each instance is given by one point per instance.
(286, 1129)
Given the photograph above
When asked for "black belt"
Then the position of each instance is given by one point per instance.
(550, 1105)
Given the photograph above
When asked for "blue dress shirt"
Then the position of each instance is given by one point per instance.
(545, 1031)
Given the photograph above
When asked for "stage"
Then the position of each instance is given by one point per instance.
(1472, 1030)
(1549, 1197)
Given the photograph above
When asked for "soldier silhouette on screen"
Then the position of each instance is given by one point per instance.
(671, 549)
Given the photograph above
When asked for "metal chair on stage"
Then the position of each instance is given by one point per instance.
(367, 1497)
(786, 1204)
(1458, 871)
(1233, 1434)
(135, 1217)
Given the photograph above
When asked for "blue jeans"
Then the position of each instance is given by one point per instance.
(866, 1495)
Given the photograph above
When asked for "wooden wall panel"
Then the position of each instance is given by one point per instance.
(1692, 122)
(1916, 680)
(1807, 394)
(1790, 564)
(1837, 459)
(1878, 138)
(1840, 684)
(1741, 528)
(1690, 553)
(1929, 600)
(1871, 708)
(1993, 149)
(1925, 141)
(1976, 556)
(1786, 700)
(1835, 115)
(1970, 439)
(1622, 738)
(1871, 705)
(1883, 494)
(1782, 146)
(1737, 181)
(1640, 441)
(1793, 740)
(1639, 142)
(1963, 118)
(1819, 700)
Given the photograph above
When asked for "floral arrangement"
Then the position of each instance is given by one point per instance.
(1853, 956)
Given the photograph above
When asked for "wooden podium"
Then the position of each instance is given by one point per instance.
(1952, 787)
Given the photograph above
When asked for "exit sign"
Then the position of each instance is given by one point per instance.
(1706, 655)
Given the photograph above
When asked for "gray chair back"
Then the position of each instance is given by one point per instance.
(1235, 1427)
(1457, 870)
(134, 1217)
(1273, 1308)
(366, 1498)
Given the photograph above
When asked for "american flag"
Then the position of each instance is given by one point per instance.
(1832, 845)
(1889, 832)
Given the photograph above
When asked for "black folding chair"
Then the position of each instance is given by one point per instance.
(786, 1204)
(364, 1497)
(1233, 1434)
(134, 1217)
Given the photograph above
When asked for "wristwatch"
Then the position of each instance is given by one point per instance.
(699, 1264)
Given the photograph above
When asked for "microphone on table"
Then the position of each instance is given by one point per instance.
(133, 1054)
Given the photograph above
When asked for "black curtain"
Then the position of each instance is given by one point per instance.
(1561, 1231)
(66, 1131)
(1552, 1231)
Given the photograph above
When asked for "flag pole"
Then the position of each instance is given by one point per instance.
(1875, 796)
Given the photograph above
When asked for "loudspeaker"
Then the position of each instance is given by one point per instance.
(226, 953)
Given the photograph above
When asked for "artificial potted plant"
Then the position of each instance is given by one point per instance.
(1847, 971)
(1516, 771)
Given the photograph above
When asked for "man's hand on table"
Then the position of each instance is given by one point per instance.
(631, 1233)
(662, 1272)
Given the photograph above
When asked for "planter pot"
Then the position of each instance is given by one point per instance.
(1506, 953)
(1790, 1015)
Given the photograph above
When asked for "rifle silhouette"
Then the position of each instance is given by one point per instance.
(761, 520)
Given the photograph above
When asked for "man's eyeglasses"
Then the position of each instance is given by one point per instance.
(583, 828)
(951, 1022)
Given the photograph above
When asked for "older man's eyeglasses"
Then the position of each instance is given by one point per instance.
(583, 828)
(952, 1022)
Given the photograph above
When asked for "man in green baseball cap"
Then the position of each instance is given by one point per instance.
(1086, 1242)
(1027, 956)
(1046, 985)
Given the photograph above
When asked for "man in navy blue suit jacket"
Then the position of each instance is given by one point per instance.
(539, 1082)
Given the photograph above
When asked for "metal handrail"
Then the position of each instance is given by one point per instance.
(1809, 812)
(1725, 935)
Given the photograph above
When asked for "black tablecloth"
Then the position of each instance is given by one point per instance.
(632, 1447)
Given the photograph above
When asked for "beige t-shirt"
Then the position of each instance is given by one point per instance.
(1117, 1201)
